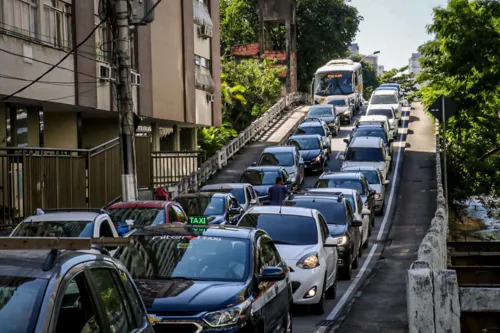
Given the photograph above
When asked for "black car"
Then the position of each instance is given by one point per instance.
(371, 131)
(212, 208)
(209, 279)
(351, 180)
(315, 126)
(311, 150)
(62, 285)
(341, 223)
(327, 113)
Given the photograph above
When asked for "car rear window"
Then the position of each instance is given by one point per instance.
(142, 217)
(353, 184)
(364, 154)
(332, 211)
(55, 229)
(20, 301)
(283, 228)
(309, 130)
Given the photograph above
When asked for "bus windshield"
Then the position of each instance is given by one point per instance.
(334, 83)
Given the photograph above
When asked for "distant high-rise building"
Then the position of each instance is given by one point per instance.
(373, 59)
(414, 63)
(354, 48)
(380, 70)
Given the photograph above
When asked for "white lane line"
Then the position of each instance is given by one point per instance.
(342, 302)
(393, 186)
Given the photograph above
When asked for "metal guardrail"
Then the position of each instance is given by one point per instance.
(222, 156)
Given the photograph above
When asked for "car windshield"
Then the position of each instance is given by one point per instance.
(142, 217)
(384, 99)
(191, 257)
(334, 83)
(202, 205)
(381, 112)
(55, 229)
(283, 228)
(339, 102)
(278, 159)
(239, 193)
(364, 154)
(364, 132)
(332, 211)
(310, 130)
(353, 184)
(320, 112)
(256, 177)
(371, 176)
(20, 297)
(305, 143)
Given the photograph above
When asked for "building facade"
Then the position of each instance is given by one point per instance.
(372, 59)
(354, 48)
(175, 74)
(380, 70)
(414, 63)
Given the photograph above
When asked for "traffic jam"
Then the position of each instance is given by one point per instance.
(232, 257)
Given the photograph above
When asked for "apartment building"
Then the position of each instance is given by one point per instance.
(414, 63)
(354, 48)
(175, 77)
(372, 59)
(380, 70)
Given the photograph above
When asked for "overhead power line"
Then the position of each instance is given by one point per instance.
(58, 63)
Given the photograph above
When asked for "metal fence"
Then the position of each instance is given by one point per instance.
(223, 155)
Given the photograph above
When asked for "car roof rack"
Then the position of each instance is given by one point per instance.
(69, 210)
(56, 244)
(307, 120)
(372, 123)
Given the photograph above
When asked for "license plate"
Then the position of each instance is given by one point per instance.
(200, 220)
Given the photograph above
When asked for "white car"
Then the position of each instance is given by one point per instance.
(376, 182)
(377, 120)
(387, 98)
(389, 112)
(359, 212)
(303, 240)
(367, 151)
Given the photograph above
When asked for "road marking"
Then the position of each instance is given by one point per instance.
(342, 302)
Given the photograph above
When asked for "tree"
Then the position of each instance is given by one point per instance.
(324, 30)
(370, 78)
(406, 80)
(239, 23)
(462, 63)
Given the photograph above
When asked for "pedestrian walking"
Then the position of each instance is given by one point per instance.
(277, 193)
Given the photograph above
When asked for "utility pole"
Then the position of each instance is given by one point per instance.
(125, 103)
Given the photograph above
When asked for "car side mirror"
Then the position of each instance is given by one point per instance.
(373, 192)
(356, 223)
(366, 211)
(254, 163)
(341, 157)
(346, 140)
(388, 158)
(235, 210)
(272, 274)
(391, 140)
(331, 242)
(253, 201)
(288, 182)
(387, 182)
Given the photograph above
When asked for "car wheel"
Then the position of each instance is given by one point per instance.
(287, 323)
(365, 244)
(332, 292)
(382, 210)
(346, 271)
(361, 246)
(373, 221)
(319, 308)
(355, 263)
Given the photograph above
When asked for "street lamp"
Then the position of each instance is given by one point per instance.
(376, 52)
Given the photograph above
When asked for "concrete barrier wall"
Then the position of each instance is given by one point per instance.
(432, 291)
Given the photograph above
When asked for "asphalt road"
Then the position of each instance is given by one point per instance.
(303, 321)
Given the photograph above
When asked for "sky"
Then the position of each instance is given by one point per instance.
(396, 28)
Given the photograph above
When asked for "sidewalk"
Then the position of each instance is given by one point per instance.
(381, 306)
(272, 137)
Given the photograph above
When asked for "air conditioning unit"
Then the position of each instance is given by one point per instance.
(105, 72)
(205, 31)
(135, 78)
(210, 97)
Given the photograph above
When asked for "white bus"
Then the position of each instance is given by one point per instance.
(341, 77)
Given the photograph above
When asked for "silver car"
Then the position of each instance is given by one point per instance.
(287, 157)
(376, 182)
(367, 151)
(245, 193)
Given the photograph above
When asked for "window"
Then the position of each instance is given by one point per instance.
(180, 214)
(141, 318)
(248, 195)
(105, 229)
(57, 15)
(103, 41)
(359, 203)
(268, 256)
(114, 304)
(20, 16)
(172, 216)
(133, 58)
(350, 217)
(77, 312)
(323, 227)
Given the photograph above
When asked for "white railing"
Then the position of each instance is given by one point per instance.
(220, 159)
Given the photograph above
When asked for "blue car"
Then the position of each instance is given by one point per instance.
(207, 279)
(311, 150)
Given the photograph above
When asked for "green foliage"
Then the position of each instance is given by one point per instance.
(239, 23)
(249, 88)
(462, 63)
(400, 75)
(324, 30)
(370, 78)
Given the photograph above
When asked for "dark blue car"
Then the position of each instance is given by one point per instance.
(311, 150)
(263, 177)
(212, 208)
(209, 279)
